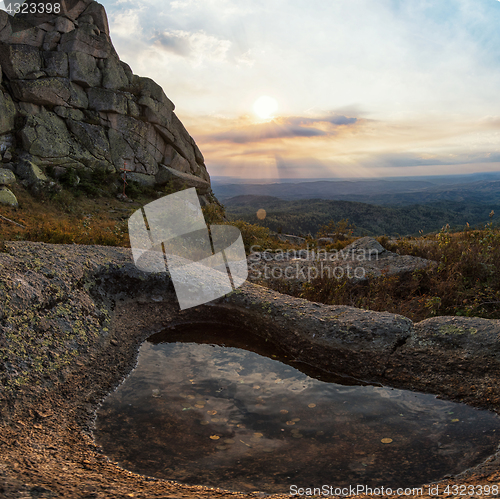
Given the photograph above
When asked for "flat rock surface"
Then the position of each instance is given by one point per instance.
(73, 317)
(365, 258)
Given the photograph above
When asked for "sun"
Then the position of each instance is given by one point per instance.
(265, 106)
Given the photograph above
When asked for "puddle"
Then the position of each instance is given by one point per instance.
(221, 415)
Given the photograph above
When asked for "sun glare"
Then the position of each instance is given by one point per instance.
(265, 106)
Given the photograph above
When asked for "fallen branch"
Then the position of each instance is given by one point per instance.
(12, 221)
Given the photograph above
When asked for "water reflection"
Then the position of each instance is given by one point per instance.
(222, 416)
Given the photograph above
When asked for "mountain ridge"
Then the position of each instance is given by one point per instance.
(301, 217)
(378, 191)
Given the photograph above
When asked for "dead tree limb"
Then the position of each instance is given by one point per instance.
(12, 221)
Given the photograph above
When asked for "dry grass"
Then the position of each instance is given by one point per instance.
(466, 281)
(66, 220)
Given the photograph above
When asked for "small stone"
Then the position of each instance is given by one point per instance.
(7, 157)
(365, 245)
(114, 343)
(6, 177)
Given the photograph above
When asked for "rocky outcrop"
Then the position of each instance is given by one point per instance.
(365, 258)
(72, 318)
(289, 238)
(67, 100)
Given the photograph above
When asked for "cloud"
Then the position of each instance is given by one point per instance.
(273, 130)
(126, 25)
(172, 42)
(198, 46)
(410, 160)
(333, 119)
(294, 126)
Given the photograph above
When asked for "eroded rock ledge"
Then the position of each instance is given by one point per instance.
(73, 317)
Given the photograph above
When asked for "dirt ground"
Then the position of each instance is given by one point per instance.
(91, 302)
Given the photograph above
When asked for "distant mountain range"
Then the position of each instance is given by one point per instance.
(480, 188)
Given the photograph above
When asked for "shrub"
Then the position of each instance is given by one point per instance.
(466, 281)
(338, 230)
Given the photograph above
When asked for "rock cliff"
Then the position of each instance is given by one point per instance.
(67, 101)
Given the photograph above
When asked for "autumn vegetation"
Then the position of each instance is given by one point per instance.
(465, 282)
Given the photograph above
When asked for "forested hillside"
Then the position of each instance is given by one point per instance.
(307, 216)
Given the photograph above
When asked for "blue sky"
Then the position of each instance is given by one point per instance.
(363, 87)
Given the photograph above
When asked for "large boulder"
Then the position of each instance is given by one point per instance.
(156, 112)
(179, 179)
(174, 160)
(67, 100)
(107, 101)
(6, 176)
(18, 61)
(64, 25)
(142, 179)
(18, 31)
(46, 135)
(113, 74)
(7, 197)
(83, 69)
(365, 245)
(74, 9)
(98, 13)
(50, 40)
(56, 64)
(83, 42)
(43, 92)
(30, 172)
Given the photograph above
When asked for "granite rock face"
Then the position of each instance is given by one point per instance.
(67, 100)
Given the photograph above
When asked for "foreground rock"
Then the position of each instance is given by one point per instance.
(365, 258)
(67, 101)
(73, 317)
